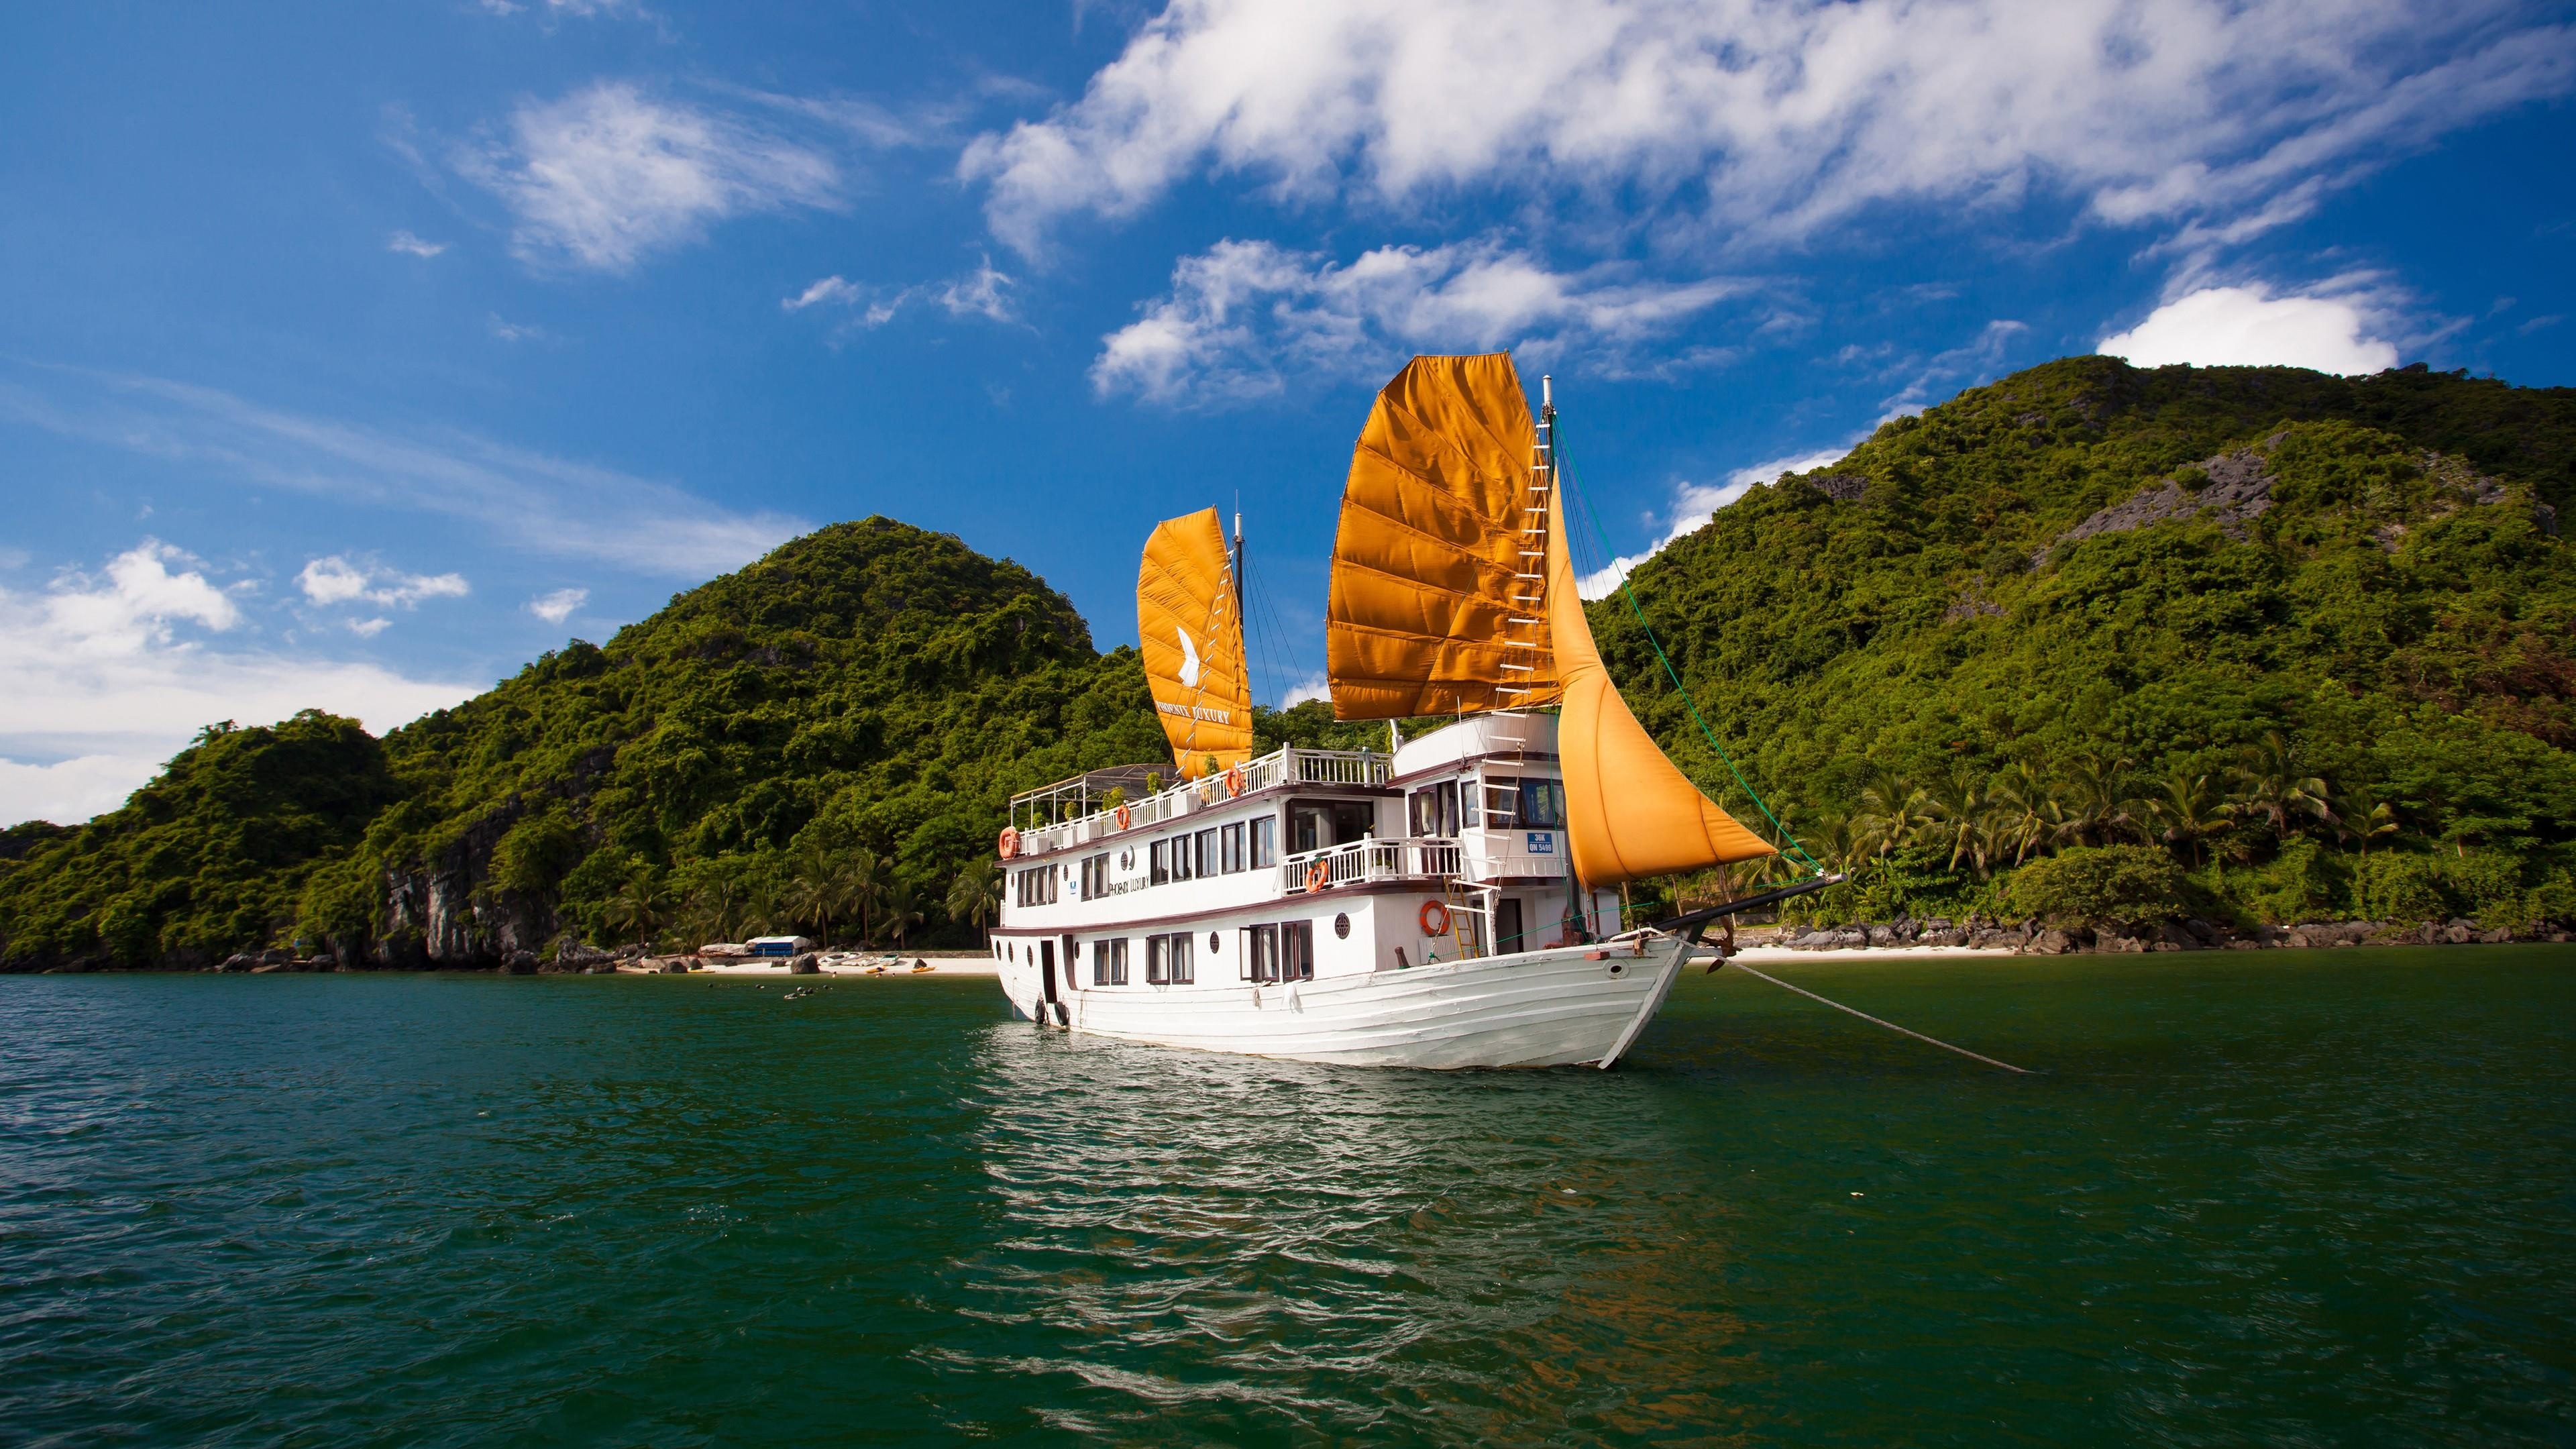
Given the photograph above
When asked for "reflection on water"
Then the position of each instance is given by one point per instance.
(1280, 1244)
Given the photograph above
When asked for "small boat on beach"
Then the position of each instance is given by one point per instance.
(1451, 901)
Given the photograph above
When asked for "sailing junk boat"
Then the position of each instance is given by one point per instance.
(1452, 904)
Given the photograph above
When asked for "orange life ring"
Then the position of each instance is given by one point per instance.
(1126, 817)
(1315, 876)
(1434, 918)
(1234, 780)
(1009, 844)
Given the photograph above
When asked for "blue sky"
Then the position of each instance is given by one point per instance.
(352, 355)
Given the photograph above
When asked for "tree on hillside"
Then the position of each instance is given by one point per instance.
(975, 895)
(902, 912)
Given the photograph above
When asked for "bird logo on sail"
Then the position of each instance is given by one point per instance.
(1189, 659)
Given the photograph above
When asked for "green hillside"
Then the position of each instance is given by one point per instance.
(2092, 642)
(2262, 619)
(829, 733)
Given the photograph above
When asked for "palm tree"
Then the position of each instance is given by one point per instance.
(2364, 817)
(975, 896)
(1958, 806)
(2192, 812)
(863, 883)
(1892, 813)
(902, 912)
(2272, 784)
(638, 907)
(823, 890)
(2102, 801)
(710, 910)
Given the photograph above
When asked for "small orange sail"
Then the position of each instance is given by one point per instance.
(1629, 812)
(1435, 605)
(1189, 626)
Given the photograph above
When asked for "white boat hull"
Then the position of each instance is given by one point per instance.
(1567, 1006)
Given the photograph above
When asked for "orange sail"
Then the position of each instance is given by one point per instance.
(1190, 628)
(1436, 598)
(1629, 812)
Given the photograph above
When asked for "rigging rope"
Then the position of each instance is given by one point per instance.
(1574, 486)
(1874, 1021)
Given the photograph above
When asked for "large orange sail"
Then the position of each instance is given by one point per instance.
(1189, 626)
(1629, 812)
(1435, 605)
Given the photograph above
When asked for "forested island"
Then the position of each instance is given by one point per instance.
(2090, 646)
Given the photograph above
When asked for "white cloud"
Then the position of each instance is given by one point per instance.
(405, 242)
(524, 500)
(1242, 314)
(517, 331)
(832, 289)
(608, 175)
(984, 292)
(1692, 504)
(2248, 326)
(558, 606)
(1769, 119)
(335, 580)
(1313, 686)
(369, 628)
(109, 675)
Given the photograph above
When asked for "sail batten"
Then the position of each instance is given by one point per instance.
(1189, 628)
(1426, 561)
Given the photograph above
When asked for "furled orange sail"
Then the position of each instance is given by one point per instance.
(1436, 597)
(1190, 627)
(1629, 812)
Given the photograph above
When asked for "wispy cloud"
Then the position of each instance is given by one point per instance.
(984, 292)
(525, 500)
(558, 606)
(1241, 316)
(335, 580)
(110, 672)
(1767, 121)
(1692, 504)
(609, 175)
(409, 245)
(1313, 686)
(517, 331)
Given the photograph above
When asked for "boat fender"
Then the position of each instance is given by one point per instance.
(1234, 781)
(1315, 876)
(1009, 844)
(1435, 919)
(1126, 817)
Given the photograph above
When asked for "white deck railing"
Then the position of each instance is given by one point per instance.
(1287, 765)
(1363, 861)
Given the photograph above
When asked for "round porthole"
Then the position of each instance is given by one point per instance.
(1215, 943)
(1618, 968)
(1342, 925)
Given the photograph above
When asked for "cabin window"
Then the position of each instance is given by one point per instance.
(1095, 876)
(1310, 827)
(1265, 842)
(1469, 817)
(1034, 887)
(1297, 951)
(1542, 804)
(1435, 809)
(1109, 961)
(1209, 862)
(1172, 860)
(1232, 840)
(1168, 961)
(1261, 953)
(1502, 795)
(1159, 866)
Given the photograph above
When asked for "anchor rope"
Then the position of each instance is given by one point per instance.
(1874, 1021)
(1556, 441)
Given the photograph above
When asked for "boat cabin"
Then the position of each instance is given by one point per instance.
(1299, 864)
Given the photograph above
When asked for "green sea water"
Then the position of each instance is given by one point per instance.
(2286, 1198)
